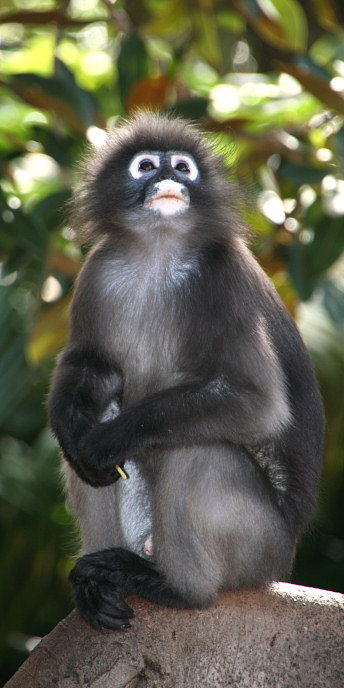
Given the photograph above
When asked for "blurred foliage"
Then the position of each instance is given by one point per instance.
(266, 78)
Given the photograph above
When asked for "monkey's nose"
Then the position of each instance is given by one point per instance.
(166, 175)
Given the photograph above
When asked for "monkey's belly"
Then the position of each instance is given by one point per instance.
(134, 502)
(135, 511)
(116, 516)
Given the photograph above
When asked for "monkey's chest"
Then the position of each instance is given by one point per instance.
(148, 362)
(144, 304)
(142, 337)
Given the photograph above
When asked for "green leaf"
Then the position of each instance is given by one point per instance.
(193, 108)
(301, 174)
(326, 14)
(332, 297)
(81, 100)
(317, 247)
(59, 94)
(50, 209)
(26, 232)
(132, 64)
(315, 80)
(280, 22)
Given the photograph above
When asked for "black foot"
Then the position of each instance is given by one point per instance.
(98, 593)
(101, 580)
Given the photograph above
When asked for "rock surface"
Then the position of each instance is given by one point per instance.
(282, 636)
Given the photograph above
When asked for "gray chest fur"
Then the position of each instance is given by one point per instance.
(140, 328)
(134, 319)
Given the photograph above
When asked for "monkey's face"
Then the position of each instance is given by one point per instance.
(154, 176)
(163, 180)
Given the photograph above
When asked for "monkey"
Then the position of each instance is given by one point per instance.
(185, 403)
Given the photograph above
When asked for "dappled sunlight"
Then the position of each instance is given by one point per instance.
(51, 290)
(33, 167)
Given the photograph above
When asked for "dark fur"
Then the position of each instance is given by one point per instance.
(183, 359)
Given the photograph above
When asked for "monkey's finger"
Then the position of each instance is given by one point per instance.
(114, 624)
(113, 613)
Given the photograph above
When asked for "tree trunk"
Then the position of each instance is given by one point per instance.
(283, 636)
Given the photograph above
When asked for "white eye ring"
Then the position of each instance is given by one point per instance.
(135, 168)
(184, 159)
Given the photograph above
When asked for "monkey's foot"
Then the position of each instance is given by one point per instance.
(98, 599)
(101, 580)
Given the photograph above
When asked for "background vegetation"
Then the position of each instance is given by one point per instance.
(267, 78)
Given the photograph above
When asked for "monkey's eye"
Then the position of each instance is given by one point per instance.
(143, 163)
(146, 166)
(183, 167)
(185, 164)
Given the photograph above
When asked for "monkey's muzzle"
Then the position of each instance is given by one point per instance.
(168, 198)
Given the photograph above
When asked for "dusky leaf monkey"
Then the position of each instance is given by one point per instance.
(185, 375)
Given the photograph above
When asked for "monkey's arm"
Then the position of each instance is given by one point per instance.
(196, 413)
(86, 390)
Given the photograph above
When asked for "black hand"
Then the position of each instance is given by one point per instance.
(100, 451)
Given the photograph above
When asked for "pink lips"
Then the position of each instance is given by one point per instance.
(168, 197)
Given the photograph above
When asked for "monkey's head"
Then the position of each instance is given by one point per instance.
(153, 171)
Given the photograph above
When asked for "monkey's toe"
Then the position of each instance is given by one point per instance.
(100, 605)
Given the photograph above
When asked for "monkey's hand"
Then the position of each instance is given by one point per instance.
(100, 474)
(86, 393)
(101, 453)
(94, 459)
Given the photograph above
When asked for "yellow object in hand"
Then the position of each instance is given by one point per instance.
(121, 472)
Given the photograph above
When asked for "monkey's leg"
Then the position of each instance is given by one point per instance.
(101, 580)
(219, 523)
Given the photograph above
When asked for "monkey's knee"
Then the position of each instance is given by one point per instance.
(195, 588)
(192, 571)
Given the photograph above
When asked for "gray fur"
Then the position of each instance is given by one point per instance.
(223, 533)
(116, 516)
(183, 366)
